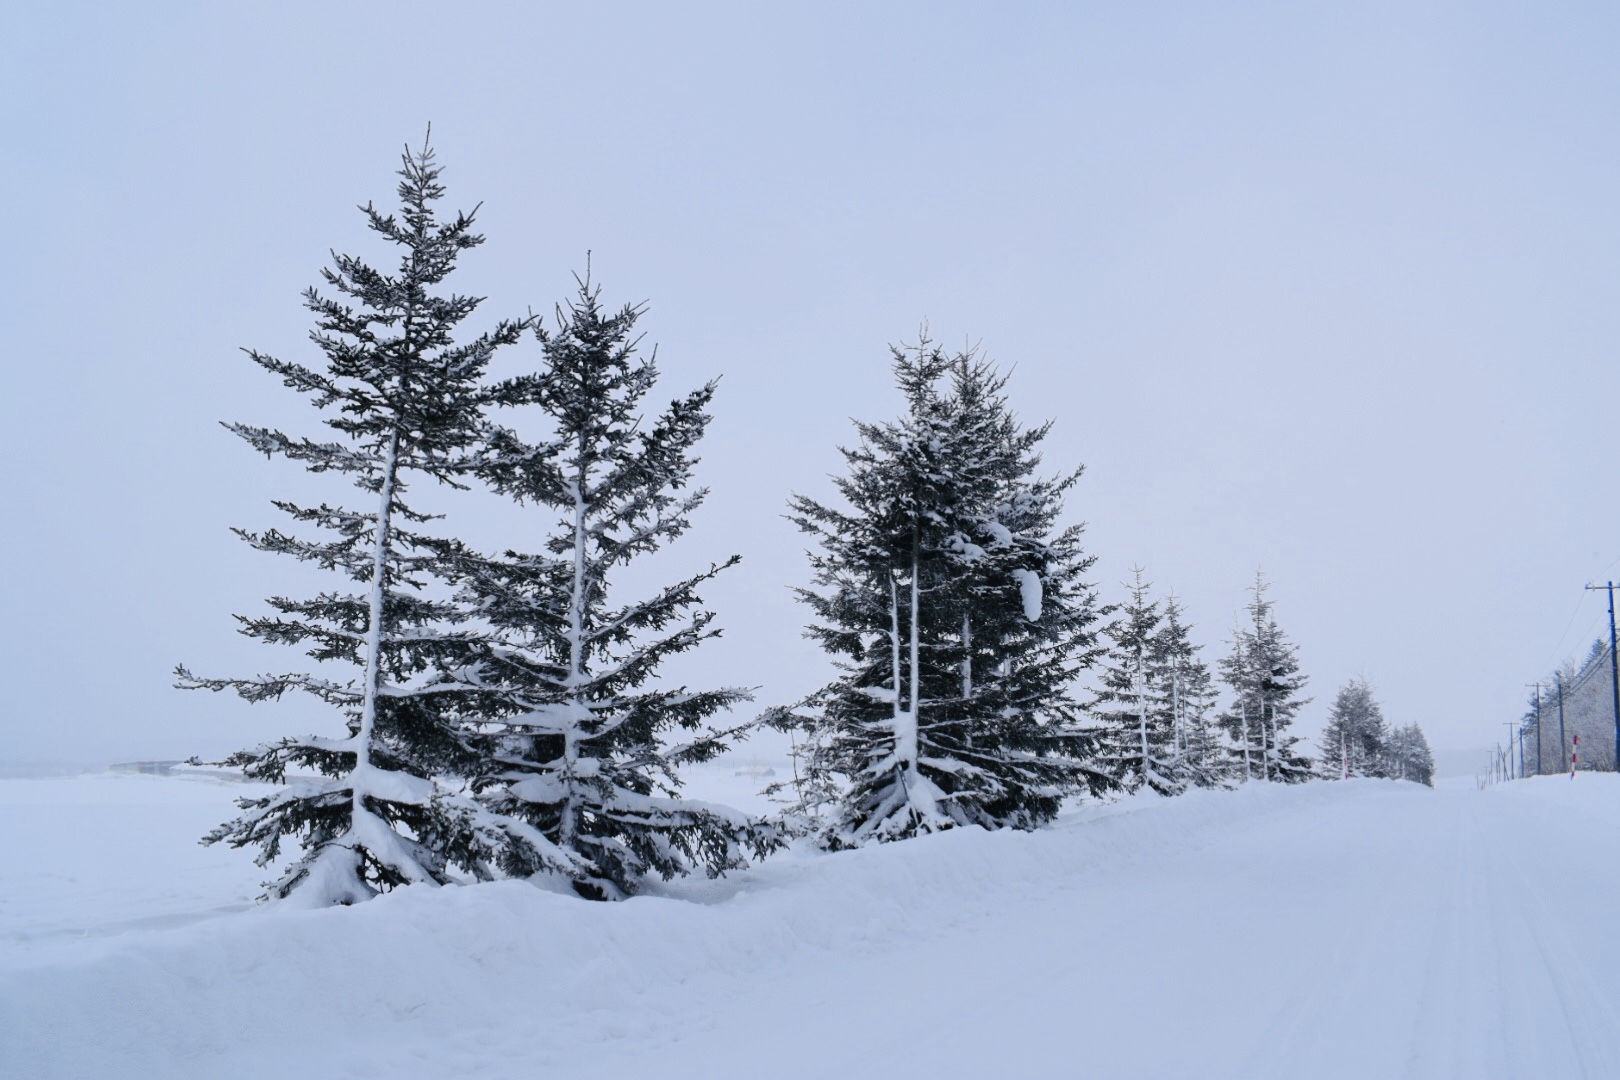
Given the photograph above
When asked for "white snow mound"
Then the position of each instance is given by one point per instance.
(1365, 928)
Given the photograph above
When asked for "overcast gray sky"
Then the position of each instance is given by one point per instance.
(1325, 292)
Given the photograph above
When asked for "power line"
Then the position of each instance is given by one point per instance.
(1575, 614)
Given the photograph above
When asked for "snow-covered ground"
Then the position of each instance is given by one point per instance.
(1361, 929)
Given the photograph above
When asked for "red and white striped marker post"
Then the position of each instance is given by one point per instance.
(1575, 758)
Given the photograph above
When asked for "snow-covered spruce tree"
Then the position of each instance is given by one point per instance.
(403, 400)
(576, 754)
(1023, 615)
(1263, 674)
(1407, 756)
(1203, 761)
(1355, 741)
(1136, 703)
(957, 612)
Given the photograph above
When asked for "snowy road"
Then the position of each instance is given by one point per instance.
(1336, 930)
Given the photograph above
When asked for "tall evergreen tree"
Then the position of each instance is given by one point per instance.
(1203, 762)
(1263, 674)
(1356, 738)
(956, 610)
(1137, 702)
(576, 752)
(403, 400)
(1407, 756)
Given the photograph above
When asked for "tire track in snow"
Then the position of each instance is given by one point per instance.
(1446, 1035)
(1483, 1011)
(1304, 1037)
(1531, 930)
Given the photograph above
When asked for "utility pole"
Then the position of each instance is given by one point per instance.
(1614, 670)
(1511, 726)
(1536, 711)
(1563, 747)
(1538, 729)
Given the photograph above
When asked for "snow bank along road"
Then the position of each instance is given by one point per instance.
(1360, 929)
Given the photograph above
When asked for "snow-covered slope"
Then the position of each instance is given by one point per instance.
(1364, 929)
